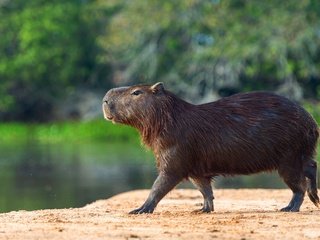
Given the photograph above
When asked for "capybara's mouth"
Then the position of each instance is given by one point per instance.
(109, 118)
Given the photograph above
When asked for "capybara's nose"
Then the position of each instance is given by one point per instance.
(108, 97)
(108, 102)
(105, 101)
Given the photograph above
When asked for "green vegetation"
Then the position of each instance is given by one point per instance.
(209, 45)
(47, 48)
(313, 109)
(200, 48)
(77, 132)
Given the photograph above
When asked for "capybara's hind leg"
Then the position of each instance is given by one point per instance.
(310, 171)
(204, 186)
(297, 183)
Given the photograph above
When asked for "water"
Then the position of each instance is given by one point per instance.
(37, 176)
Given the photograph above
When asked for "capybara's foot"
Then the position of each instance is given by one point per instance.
(145, 208)
(202, 210)
(295, 203)
(290, 209)
(207, 208)
(293, 206)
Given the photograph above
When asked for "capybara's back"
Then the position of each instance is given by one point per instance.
(241, 134)
(248, 133)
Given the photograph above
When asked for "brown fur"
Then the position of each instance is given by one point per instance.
(242, 134)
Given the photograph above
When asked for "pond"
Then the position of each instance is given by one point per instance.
(38, 176)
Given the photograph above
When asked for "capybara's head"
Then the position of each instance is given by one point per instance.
(133, 105)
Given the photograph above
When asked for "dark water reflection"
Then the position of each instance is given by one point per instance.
(34, 176)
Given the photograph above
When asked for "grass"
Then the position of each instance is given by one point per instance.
(314, 110)
(97, 130)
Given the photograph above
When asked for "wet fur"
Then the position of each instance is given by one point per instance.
(241, 134)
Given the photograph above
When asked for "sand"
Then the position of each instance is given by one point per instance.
(239, 214)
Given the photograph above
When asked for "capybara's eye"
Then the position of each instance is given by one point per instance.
(136, 92)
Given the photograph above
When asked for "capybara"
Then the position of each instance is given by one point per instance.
(245, 133)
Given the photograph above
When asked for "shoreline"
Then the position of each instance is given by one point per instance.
(239, 214)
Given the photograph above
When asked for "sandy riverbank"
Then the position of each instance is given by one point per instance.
(239, 214)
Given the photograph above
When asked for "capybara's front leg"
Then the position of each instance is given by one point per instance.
(162, 185)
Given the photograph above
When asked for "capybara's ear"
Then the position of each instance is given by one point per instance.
(157, 87)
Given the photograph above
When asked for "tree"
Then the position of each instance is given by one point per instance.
(201, 47)
(47, 49)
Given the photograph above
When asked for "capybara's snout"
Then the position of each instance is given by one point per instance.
(107, 105)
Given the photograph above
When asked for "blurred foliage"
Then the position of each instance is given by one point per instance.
(75, 132)
(46, 49)
(202, 49)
